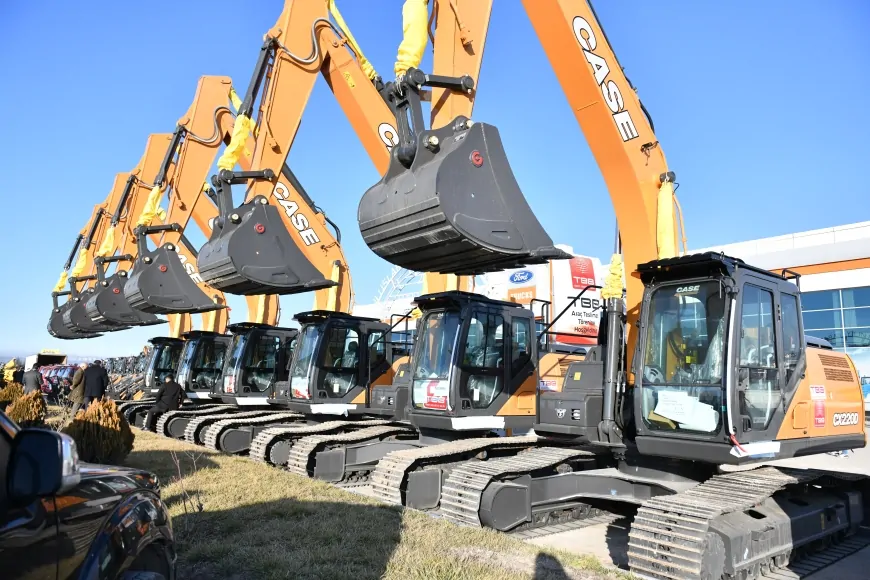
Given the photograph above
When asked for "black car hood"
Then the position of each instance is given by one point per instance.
(136, 477)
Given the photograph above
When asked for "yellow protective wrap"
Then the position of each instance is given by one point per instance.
(242, 129)
(235, 100)
(9, 371)
(666, 222)
(415, 31)
(152, 207)
(61, 282)
(80, 263)
(364, 63)
(108, 245)
(613, 282)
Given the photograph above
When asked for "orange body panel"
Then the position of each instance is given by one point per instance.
(522, 402)
(828, 396)
(552, 368)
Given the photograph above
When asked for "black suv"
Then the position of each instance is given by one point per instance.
(63, 519)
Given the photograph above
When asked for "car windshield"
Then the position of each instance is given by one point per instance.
(303, 356)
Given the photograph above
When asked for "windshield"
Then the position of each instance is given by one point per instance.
(683, 357)
(434, 358)
(685, 332)
(167, 359)
(303, 355)
(237, 350)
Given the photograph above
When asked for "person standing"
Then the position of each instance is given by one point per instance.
(169, 398)
(96, 382)
(77, 389)
(32, 380)
(18, 375)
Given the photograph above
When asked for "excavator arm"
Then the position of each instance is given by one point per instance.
(605, 104)
(166, 280)
(276, 241)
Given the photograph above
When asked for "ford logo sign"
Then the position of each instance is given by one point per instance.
(521, 277)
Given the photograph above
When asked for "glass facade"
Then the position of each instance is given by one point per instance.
(842, 317)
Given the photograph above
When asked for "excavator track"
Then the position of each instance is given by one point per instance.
(264, 444)
(206, 410)
(131, 408)
(671, 538)
(212, 434)
(193, 433)
(303, 451)
(389, 476)
(464, 487)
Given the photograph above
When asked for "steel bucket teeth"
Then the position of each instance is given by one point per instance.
(458, 209)
(160, 284)
(109, 304)
(254, 254)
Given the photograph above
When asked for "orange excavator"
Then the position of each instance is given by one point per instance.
(277, 240)
(702, 359)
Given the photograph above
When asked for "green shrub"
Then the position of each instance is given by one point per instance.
(101, 433)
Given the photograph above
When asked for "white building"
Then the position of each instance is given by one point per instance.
(834, 264)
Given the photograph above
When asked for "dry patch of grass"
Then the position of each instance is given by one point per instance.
(248, 520)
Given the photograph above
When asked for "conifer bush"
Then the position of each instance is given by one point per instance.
(28, 410)
(101, 433)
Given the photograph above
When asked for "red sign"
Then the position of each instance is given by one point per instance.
(819, 414)
(435, 400)
(582, 273)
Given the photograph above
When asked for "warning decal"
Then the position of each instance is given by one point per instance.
(819, 414)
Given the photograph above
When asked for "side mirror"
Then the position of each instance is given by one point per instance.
(41, 463)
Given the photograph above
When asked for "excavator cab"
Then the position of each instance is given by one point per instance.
(108, 304)
(720, 357)
(202, 362)
(258, 359)
(250, 250)
(164, 359)
(160, 283)
(57, 328)
(474, 364)
(339, 356)
(449, 201)
(76, 316)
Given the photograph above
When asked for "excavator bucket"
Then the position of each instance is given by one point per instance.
(159, 284)
(251, 252)
(76, 316)
(57, 329)
(452, 205)
(109, 304)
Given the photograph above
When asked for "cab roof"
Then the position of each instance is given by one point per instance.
(240, 327)
(164, 340)
(459, 298)
(201, 333)
(314, 316)
(703, 264)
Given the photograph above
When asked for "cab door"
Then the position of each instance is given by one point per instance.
(339, 361)
(760, 377)
(480, 382)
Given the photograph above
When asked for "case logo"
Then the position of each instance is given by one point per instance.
(688, 289)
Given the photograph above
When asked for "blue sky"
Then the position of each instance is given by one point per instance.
(759, 106)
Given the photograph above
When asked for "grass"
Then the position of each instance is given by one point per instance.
(248, 520)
